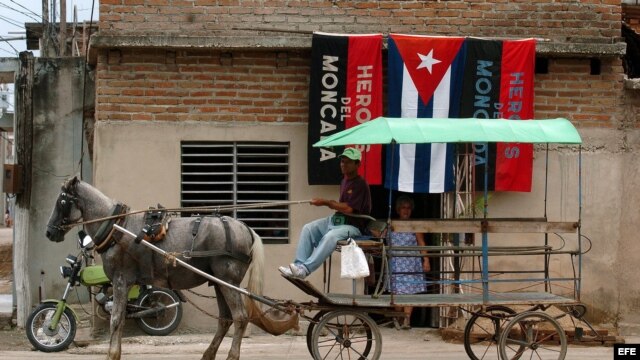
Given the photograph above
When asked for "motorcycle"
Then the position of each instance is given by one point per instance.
(52, 325)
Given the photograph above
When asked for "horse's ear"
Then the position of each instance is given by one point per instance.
(71, 182)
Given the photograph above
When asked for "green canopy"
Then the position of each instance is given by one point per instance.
(424, 130)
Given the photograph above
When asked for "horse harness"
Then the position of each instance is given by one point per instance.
(155, 225)
(153, 230)
(229, 249)
(107, 235)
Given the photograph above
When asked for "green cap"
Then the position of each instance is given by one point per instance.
(352, 153)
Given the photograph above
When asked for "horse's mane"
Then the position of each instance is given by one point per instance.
(76, 186)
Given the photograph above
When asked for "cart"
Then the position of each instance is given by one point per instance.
(504, 321)
(343, 325)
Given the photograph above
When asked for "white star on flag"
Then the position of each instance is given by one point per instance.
(427, 61)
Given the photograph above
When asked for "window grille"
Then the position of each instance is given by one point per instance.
(240, 173)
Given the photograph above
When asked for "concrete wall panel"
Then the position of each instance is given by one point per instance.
(57, 141)
(140, 165)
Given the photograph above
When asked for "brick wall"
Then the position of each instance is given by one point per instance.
(259, 86)
(271, 86)
(570, 90)
(202, 86)
(557, 20)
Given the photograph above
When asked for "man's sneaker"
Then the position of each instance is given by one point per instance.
(285, 271)
(299, 271)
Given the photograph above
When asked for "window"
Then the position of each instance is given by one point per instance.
(242, 176)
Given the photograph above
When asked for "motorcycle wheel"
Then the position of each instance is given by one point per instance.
(164, 321)
(45, 339)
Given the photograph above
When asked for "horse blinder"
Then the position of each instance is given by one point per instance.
(65, 203)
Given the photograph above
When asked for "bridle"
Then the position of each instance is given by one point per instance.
(66, 201)
(104, 236)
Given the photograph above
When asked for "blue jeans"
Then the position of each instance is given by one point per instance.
(318, 240)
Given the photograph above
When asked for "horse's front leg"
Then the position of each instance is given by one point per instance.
(118, 313)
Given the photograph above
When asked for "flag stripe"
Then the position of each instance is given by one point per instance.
(514, 162)
(406, 166)
(481, 99)
(326, 86)
(364, 88)
(406, 158)
(439, 151)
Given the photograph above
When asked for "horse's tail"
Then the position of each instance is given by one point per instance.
(256, 269)
(273, 321)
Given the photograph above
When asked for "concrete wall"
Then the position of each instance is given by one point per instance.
(606, 287)
(140, 165)
(57, 141)
(627, 293)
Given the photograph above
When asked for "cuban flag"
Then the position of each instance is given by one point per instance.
(457, 77)
(425, 74)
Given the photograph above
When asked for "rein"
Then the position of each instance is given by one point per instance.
(214, 209)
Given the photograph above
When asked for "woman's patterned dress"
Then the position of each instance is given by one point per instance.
(407, 276)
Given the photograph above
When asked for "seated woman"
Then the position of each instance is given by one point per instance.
(407, 273)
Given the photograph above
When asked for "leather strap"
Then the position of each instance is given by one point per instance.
(228, 251)
(106, 235)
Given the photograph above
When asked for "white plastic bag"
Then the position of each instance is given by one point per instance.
(353, 262)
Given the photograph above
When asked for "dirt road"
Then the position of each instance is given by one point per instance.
(397, 345)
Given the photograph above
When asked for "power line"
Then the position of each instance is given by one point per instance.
(29, 10)
(21, 12)
(9, 52)
(12, 22)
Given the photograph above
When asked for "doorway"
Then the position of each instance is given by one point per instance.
(427, 206)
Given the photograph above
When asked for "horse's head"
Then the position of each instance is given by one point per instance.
(65, 211)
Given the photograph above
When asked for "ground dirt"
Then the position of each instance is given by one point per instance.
(6, 263)
(13, 339)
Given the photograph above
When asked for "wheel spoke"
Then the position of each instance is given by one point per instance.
(482, 331)
(351, 335)
(539, 338)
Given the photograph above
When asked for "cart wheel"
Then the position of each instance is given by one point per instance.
(482, 332)
(536, 335)
(346, 334)
(312, 325)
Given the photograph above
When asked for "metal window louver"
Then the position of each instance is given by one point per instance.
(239, 173)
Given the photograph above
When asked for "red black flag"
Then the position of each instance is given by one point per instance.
(498, 80)
(345, 90)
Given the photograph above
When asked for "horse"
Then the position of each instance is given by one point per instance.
(220, 246)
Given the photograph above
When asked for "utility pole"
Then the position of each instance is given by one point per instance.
(49, 37)
(24, 144)
(63, 28)
(44, 49)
